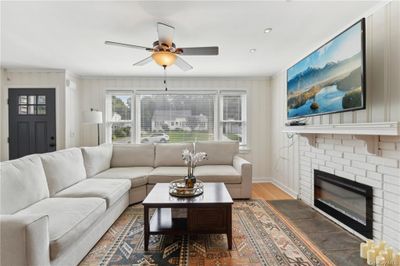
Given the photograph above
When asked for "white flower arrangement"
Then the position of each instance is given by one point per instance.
(191, 159)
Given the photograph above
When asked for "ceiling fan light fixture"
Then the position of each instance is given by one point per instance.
(164, 58)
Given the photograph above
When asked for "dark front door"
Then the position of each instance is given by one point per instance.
(32, 121)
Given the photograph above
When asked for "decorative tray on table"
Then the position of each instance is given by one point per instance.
(178, 188)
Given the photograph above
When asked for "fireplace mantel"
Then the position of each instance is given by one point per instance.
(367, 132)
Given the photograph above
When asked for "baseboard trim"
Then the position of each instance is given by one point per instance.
(289, 191)
(261, 180)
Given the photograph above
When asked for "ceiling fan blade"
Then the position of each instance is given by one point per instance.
(165, 33)
(182, 64)
(144, 61)
(212, 50)
(128, 45)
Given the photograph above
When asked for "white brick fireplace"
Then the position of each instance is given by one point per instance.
(347, 157)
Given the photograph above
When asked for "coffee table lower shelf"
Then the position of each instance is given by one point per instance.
(200, 220)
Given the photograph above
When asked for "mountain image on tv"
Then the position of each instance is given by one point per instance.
(330, 79)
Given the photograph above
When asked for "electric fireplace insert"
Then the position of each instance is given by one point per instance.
(345, 200)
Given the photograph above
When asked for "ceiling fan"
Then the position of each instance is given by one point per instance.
(164, 51)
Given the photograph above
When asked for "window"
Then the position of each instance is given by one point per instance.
(184, 116)
(179, 117)
(233, 117)
(119, 117)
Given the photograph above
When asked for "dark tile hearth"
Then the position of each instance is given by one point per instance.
(342, 247)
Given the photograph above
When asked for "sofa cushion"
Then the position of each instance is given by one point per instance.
(63, 168)
(170, 154)
(22, 183)
(137, 175)
(218, 173)
(129, 155)
(69, 218)
(218, 152)
(166, 174)
(109, 189)
(97, 158)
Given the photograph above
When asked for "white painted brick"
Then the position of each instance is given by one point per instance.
(325, 146)
(378, 193)
(389, 170)
(309, 154)
(314, 166)
(369, 182)
(389, 222)
(345, 175)
(353, 142)
(392, 180)
(305, 164)
(319, 140)
(333, 141)
(374, 175)
(360, 150)
(344, 148)
(334, 153)
(391, 188)
(393, 215)
(355, 157)
(391, 232)
(341, 161)
(391, 154)
(356, 171)
(392, 206)
(366, 166)
(382, 161)
(305, 148)
(392, 242)
(324, 157)
(342, 136)
(318, 161)
(305, 159)
(389, 138)
(377, 209)
(378, 201)
(395, 198)
(325, 136)
(387, 146)
(377, 217)
(317, 151)
(335, 166)
(377, 227)
(327, 169)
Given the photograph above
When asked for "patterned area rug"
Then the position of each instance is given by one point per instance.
(261, 236)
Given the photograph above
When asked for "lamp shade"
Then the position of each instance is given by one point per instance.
(93, 117)
(164, 58)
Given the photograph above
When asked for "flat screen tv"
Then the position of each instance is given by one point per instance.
(331, 79)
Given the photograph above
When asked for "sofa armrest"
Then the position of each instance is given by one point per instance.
(245, 169)
(24, 240)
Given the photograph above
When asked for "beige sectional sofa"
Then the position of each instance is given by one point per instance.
(54, 207)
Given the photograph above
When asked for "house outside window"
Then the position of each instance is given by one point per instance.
(179, 116)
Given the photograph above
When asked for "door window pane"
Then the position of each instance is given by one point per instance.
(31, 109)
(32, 99)
(41, 109)
(22, 110)
(176, 117)
(22, 99)
(41, 99)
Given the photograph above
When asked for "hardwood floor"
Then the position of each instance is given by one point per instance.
(269, 191)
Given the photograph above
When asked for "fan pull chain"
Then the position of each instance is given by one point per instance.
(165, 78)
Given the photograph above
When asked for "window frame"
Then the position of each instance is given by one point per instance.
(136, 111)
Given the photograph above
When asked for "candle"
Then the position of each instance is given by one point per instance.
(384, 254)
(389, 251)
(397, 259)
(363, 250)
(370, 242)
(371, 257)
(380, 261)
(382, 245)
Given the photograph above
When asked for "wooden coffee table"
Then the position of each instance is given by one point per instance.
(209, 213)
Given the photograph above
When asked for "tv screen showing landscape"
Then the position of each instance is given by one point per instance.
(331, 79)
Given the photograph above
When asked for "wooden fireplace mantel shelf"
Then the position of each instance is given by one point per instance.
(367, 132)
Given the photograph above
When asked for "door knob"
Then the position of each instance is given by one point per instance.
(52, 145)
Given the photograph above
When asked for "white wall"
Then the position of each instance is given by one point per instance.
(33, 79)
(290, 166)
(93, 92)
(72, 110)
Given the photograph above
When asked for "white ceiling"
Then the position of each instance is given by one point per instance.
(71, 35)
